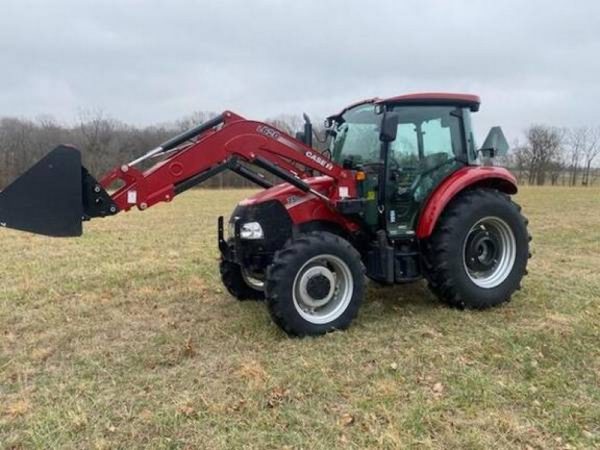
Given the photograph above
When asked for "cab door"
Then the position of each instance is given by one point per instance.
(429, 146)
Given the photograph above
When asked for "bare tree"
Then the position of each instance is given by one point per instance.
(595, 176)
(555, 169)
(590, 151)
(97, 137)
(16, 143)
(541, 152)
(576, 142)
(287, 123)
(194, 119)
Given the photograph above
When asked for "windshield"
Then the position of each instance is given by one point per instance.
(357, 137)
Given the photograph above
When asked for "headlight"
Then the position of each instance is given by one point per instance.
(251, 230)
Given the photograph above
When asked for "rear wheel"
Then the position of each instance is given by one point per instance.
(478, 252)
(315, 284)
(240, 283)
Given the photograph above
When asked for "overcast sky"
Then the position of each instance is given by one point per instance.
(147, 61)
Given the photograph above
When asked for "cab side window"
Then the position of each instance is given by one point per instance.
(440, 137)
(427, 136)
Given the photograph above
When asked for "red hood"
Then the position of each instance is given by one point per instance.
(284, 190)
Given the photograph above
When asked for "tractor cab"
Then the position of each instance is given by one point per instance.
(405, 146)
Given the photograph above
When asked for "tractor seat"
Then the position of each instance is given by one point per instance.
(433, 160)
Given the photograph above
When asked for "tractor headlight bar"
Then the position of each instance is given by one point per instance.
(251, 230)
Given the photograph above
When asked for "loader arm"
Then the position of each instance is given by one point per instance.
(221, 144)
(56, 194)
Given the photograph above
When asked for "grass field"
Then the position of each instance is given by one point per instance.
(125, 338)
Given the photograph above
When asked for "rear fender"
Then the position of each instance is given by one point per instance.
(465, 178)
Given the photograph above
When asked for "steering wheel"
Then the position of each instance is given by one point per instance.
(393, 164)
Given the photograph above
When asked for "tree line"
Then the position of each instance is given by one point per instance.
(104, 142)
(557, 156)
(549, 155)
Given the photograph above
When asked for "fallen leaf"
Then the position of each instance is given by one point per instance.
(78, 419)
(239, 405)
(438, 390)
(41, 353)
(253, 372)
(346, 420)
(276, 397)
(146, 414)
(18, 408)
(188, 349)
(430, 333)
(186, 410)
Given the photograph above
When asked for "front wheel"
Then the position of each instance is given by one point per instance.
(239, 282)
(315, 284)
(478, 252)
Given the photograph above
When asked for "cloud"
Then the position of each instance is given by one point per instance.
(151, 61)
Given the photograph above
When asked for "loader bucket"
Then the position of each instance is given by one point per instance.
(49, 198)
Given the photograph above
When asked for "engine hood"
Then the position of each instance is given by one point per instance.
(285, 191)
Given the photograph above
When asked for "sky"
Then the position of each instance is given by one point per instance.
(146, 62)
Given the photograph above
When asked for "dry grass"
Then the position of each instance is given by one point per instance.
(125, 338)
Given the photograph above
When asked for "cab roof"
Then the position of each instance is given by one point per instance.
(427, 98)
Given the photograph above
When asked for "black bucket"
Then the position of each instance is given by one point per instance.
(54, 196)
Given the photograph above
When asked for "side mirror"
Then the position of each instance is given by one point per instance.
(389, 127)
(495, 144)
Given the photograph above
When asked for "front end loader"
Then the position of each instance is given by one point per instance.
(400, 194)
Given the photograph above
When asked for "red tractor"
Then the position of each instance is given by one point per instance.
(400, 194)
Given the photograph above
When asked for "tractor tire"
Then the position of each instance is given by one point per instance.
(234, 281)
(478, 253)
(315, 284)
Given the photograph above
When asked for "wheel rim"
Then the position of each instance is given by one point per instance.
(322, 289)
(252, 280)
(489, 252)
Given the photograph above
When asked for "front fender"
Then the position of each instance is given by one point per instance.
(464, 178)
